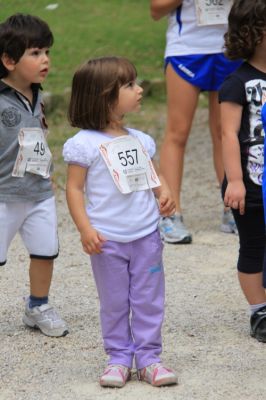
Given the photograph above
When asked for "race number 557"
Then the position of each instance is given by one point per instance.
(128, 157)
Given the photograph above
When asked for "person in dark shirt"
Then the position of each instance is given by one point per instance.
(242, 97)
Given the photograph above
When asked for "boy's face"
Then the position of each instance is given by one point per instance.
(32, 67)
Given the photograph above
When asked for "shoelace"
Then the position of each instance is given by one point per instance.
(157, 366)
(116, 368)
(51, 314)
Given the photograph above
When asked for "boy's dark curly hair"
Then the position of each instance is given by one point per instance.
(246, 28)
(20, 32)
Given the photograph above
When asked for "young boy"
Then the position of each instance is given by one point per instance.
(27, 203)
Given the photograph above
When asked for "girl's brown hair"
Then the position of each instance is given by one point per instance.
(95, 91)
(246, 28)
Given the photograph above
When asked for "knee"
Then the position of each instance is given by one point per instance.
(250, 259)
(216, 131)
(177, 136)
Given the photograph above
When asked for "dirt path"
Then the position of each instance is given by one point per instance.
(206, 333)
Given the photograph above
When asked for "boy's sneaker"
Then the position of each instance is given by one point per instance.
(115, 376)
(228, 223)
(173, 230)
(157, 375)
(45, 318)
(258, 325)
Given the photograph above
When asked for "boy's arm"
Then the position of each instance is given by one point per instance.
(91, 239)
(163, 194)
(160, 8)
(231, 114)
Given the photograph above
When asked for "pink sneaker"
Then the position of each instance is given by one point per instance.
(115, 376)
(157, 375)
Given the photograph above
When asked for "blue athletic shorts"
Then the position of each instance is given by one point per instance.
(204, 71)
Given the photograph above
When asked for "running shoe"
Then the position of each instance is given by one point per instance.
(157, 375)
(173, 230)
(228, 223)
(258, 325)
(115, 376)
(46, 319)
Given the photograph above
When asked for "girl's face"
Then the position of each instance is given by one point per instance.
(129, 98)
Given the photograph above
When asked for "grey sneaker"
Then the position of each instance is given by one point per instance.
(228, 223)
(46, 319)
(173, 230)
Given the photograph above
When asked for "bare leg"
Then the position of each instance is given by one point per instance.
(182, 99)
(251, 285)
(215, 129)
(228, 224)
(40, 273)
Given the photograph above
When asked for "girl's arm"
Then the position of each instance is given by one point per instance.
(160, 8)
(91, 239)
(164, 196)
(235, 194)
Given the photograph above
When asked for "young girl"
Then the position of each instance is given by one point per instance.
(118, 226)
(242, 96)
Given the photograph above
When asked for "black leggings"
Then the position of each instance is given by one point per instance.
(252, 240)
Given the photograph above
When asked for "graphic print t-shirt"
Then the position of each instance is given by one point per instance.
(247, 87)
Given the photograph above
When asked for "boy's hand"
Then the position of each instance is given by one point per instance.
(92, 241)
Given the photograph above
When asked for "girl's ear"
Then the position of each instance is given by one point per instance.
(8, 62)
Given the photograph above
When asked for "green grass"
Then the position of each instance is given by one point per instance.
(89, 28)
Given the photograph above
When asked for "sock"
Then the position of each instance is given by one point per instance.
(255, 307)
(37, 301)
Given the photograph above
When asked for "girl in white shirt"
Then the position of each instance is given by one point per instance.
(118, 225)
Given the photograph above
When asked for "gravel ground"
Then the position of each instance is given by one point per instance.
(206, 329)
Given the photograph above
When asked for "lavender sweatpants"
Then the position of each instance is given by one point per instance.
(130, 283)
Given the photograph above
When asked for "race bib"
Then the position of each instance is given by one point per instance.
(129, 164)
(212, 12)
(34, 155)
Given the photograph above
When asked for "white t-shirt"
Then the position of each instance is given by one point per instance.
(119, 217)
(185, 37)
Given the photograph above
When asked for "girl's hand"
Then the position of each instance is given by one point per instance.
(166, 203)
(164, 196)
(92, 241)
(235, 196)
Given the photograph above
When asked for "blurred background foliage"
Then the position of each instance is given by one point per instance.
(89, 28)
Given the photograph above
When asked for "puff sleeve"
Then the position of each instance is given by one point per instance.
(76, 151)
